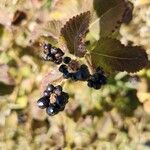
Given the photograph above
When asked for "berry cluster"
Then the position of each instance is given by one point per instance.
(82, 74)
(54, 99)
(53, 54)
(56, 95)
(97, 79)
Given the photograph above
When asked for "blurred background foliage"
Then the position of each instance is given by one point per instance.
(115, 117)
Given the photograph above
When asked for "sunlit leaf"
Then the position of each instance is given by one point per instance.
(102, 6)
(74, 31)
(110, 17)
(114, 56)
(111, 20)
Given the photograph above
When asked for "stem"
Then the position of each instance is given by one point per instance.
(89, 63)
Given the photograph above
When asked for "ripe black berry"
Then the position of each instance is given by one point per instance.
(60, 52)
(49, 57)
(73, 76)
(58, 61)
(60, 101)
(47, 46)
(53, 54)
(66, 60)
(59, 55)
(66, 74)
(63, 68)
(54, 50)
(46, 93)
(50, 88)
(43, 102)
(58, 90)
(97, 80)
(52, 110)
(83, 73)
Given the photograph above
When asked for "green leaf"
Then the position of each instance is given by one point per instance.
(114, 56)
(102, 6)
(74, 32)
(111, 20)
(110, 17)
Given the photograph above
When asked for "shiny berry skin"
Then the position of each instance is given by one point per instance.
(58, 90)
(46, 93)
(47, 46)
(58, 61)
(58, 55)
(66, 60)
(60, 52)
(49, 57)
(50, 88)
(63, 68)
(90, 83)
(52, 110)
(83, 73)
(83, 66)
(54, 50)
(66, 74)
(97, 80)
(60, 101)
(43, 102)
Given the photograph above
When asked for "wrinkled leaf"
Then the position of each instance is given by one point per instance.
(74, 32)
(114, 56)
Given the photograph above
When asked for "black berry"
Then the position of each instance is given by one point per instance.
(46, 93)
(60, 101)
(66, 60)
(43, 102)
(97, 80)
(58, 90)
(47, 46)
(54, 50)
(50, 88)
(63, 68)
(52, 110)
